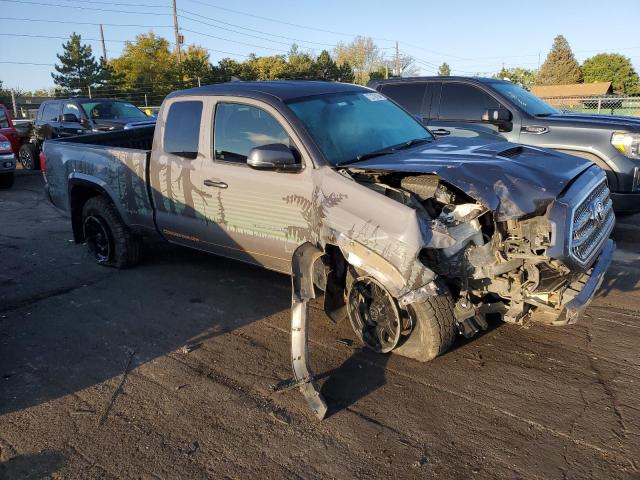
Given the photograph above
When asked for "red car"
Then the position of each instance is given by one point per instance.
(8, 130)
(7, 162)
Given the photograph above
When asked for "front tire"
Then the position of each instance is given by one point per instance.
(6, 180)
(108, 239)
(29, 157)
(434, 329)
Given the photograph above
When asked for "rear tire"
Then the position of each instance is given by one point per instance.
(6, 180)
(29, 157)
(434, 329)
(109, 240)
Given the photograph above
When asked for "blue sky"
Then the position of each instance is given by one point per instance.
(471, 36)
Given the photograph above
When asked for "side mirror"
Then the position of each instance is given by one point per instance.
(496, 116)
(275, 156)
(70, 118)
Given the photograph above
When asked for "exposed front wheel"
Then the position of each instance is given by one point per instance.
(108, 239)
(422, 331)
(6, 180)
(28, 156)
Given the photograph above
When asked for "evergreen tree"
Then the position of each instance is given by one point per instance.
(614, 68)
(78, 69)
(560, 66)
(325, 67)
(444, 70)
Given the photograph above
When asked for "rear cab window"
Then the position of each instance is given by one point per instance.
(415, 97)
(51, 112)
(238, 128)
(182, 128)
(459, 101)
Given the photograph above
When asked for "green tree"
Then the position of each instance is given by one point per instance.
(522, 76)
(560, 66)
(614, 68)
(78, 69)
(362, 54)
(300, 65)
(325, 68)
(147, 65)
(444, 70)
(195, 65)
(227, 69)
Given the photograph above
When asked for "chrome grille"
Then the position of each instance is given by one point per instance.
(591, 223)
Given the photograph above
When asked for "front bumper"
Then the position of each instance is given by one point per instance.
(573, 310)
(625, 203)
(7, 163)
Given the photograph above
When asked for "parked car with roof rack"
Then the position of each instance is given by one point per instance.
(70, 117)
(494, 109)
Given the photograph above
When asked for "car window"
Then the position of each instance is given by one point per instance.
(182, 128)
(410, 96)
(51, 112)
(72, 109)
(111, 110)
(239, 128)
(464, 102)
(4, 121)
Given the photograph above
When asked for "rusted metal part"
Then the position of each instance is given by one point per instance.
(303, 291)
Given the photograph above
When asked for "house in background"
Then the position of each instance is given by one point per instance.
(574, 96)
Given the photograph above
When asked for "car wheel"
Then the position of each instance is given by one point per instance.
(28, 156)
(108, 239)
(433, 328)
(6, 180)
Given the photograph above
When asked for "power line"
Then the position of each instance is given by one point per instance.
(83, 8)
(233, 41)
(254, 30)
(306, 27)
(73, 22)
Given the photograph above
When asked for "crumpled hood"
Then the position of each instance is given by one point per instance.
(511, 179)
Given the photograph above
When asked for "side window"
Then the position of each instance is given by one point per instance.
(51, 112)
(464, 102)
(239, 128)
(70, 108)
(4, 121)
(182, 128)
(408, 95)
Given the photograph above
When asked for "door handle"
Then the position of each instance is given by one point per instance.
(441, 132)
(214, 183)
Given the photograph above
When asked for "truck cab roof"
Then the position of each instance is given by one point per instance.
(283, 90)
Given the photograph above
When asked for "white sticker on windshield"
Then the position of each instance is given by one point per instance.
(374, 96)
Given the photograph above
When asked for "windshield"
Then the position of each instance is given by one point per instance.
(526, 100)
(109, 110)
(348, 126)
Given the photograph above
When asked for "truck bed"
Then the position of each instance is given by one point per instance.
(117, 162)
(135, 138)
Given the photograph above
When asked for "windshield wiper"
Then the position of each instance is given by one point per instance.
(367, 156)
(412, 142)
(385, 151)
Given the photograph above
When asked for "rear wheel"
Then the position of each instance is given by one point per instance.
(28, 156)
(108, 239)
(6, 180)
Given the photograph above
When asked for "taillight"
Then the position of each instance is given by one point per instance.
(43, 165)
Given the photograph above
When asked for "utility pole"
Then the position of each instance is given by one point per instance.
(386, 70)
(104, 48)
(397, 60)
(177, 31)
(15, 105)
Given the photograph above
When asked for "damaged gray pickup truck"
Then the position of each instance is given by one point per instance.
(413, 239)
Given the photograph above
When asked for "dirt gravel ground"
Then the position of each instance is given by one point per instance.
(164, 371)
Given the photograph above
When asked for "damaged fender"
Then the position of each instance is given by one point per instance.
(301, 292)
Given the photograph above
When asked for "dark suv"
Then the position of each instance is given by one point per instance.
(78, 116)
(500, 110)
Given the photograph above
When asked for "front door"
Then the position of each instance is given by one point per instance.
(206, 196)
